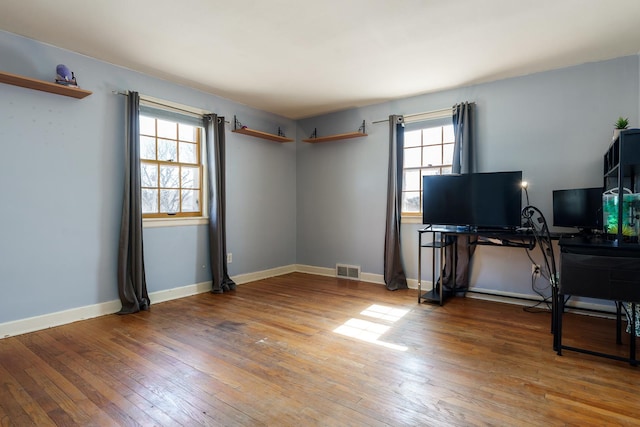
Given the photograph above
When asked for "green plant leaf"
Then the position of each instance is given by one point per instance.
(621, 123)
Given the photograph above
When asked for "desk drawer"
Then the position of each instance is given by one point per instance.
(611, 278)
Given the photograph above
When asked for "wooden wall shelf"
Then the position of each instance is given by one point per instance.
(41, 85)
(263, 135)
(335, 137)
(239, 128)
(315, 138)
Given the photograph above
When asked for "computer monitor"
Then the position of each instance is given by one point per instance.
(578, 208)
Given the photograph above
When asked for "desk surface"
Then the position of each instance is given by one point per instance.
(498, 233)
(598, 245)
(595, 267)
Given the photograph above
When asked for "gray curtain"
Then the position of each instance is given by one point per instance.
(132, 284)
(394, 275)
(463, 162)
(463, 116)
(215, 141)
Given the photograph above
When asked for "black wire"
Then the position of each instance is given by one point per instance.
(543, 240)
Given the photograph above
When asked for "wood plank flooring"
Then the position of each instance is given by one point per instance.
(304, 350)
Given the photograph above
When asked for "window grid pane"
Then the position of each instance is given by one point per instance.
(171, 173)
(428, 151)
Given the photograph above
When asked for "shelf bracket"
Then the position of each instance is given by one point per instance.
(236, 123)
(362, 128)
(281, 133)
(314, 134)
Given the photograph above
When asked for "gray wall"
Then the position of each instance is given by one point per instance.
(312, 204)
(62, 182)
(554, 126)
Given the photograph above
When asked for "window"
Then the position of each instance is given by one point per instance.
(427, 151)
(171, 167)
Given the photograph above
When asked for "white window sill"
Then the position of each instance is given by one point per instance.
(173, 222)
(411, 219)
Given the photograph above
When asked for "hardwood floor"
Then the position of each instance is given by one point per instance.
(274, 352)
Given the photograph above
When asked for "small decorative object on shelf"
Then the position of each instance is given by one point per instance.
(44, 86)
(620, 124)
(65, 77)
(315, 138)
(240, 128)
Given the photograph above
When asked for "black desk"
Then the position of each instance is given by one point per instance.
(598, 268)
(443, 236)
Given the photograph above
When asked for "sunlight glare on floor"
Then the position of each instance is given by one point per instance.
(385, 313)
(369, 331)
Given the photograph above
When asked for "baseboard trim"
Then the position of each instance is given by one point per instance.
(318, 271)
(50, 320)
(45, 321)
(527, 299)
(264, 274)
(64, 317)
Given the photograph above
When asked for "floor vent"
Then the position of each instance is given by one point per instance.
(344, 271)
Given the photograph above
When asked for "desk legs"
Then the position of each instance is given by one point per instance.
(419, 266)
(437, 244)
(632, 337)
(554, 316)
(557, 336)
(618, 322)
(442, 237)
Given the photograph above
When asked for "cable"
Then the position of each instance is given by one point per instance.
(542, 239)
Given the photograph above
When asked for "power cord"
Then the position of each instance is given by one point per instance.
(542, 238)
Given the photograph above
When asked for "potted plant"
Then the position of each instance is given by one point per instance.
(620, 124)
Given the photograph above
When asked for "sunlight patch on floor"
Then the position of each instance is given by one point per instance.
(371, 331)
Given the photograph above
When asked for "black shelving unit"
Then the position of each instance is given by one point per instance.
(622, 171)
(438, 241)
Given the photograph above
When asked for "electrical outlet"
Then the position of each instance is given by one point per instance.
(229, 258)
(535, 271)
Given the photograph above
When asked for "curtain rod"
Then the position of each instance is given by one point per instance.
(155, 101)
(432, 112)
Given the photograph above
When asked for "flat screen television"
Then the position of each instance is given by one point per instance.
(579, 208)
(476, 200)
(445, 200)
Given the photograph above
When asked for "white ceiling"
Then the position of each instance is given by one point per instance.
(300, 58)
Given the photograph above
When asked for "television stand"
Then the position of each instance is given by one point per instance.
(438, 242)
(443, 236)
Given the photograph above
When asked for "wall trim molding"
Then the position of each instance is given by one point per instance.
(50, 320)
(45, 321)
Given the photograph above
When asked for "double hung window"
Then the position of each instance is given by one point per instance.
(171, 164)
(428, 150)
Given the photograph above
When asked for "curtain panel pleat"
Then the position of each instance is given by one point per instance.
(464, 161)
(463, 116)
(394, 275)
(132, 284)
(215, 146)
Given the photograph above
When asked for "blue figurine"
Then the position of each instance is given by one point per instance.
(64, 76)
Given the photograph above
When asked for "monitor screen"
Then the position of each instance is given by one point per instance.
(445, 200)
(578, 208)
(480, 200)
(497, 199)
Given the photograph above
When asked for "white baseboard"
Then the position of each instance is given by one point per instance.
(318, 271)
(45, 321)
(31, 324)
(50, 320)
(528, 299)
(264, 274)
(331, 272)
(175, 293)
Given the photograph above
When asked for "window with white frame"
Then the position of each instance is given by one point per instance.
(428, 150)
(171, 164)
